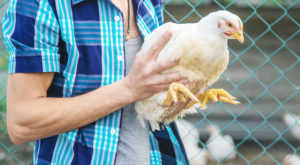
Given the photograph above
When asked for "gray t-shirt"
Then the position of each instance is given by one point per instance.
(134, 145)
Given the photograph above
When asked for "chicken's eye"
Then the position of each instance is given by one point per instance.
(230, 25)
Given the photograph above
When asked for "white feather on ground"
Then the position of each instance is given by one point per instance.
(292, 121)
(190, 138)
(291, 160)
(220, 147)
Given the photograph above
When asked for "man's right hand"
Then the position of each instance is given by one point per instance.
(146, 78)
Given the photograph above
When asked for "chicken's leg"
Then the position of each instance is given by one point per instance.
(173, 94)
(215, 95)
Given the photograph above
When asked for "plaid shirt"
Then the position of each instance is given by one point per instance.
(82, 41)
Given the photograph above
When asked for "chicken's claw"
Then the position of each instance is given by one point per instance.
(215, 95)
(173, 94)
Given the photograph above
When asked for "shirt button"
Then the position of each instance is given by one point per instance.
(112, 131)
(120, 57)
(117, 18)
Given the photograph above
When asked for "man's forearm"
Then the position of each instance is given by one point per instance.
(46, 116)
(32, 115)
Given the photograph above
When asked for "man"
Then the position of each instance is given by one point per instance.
(67, 83)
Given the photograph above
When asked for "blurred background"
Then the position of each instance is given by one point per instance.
(263, 75)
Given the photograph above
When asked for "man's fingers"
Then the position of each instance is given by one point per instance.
(184, 81)
(160, 88)
(164, 87)
(158, 45)
(166, 78)
(160, 66)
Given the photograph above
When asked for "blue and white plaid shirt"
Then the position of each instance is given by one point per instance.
(82, 41)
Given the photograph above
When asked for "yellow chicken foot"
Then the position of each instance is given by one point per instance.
(215, 95)
(173, 94)
(190, 104)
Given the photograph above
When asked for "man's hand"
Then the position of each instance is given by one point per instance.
(145, 77)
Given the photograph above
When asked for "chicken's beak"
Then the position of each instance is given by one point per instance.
(239, 36)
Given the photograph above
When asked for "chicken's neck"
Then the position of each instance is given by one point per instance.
(209, 26)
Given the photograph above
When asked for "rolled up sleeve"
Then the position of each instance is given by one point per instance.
(31, 35)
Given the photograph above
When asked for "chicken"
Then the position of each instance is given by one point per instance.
(190, 136)
(293, 123)
(220, 147)
(203, 53)
(291, 160)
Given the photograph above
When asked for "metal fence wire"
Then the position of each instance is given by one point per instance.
(263, 74)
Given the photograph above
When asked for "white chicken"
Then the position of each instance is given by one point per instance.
(190, 136)
(292, 121)
(203, 52)
(291, 160)
(220, 147)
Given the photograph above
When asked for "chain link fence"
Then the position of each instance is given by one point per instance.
(263, 74)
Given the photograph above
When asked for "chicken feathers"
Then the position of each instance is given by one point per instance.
(203, 53)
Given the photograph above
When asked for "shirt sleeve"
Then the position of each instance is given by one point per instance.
(31, 35)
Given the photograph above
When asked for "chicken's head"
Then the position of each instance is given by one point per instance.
(231, 26)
